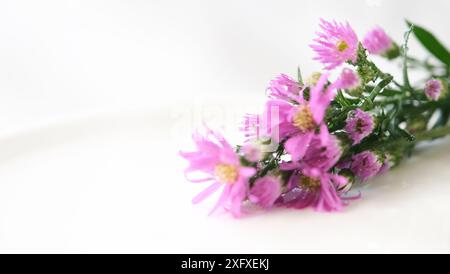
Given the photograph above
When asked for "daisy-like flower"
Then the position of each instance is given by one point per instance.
(377, 41)
(366, 165)
(349, 79)
(322, 153)
(308, 117)
(359, 125)
(265, 191)
(216, 158)
(312, 183)
(283, 87)
(282, 120)
(433, 89)
(315, 188)
(275, 122)
(336, 44)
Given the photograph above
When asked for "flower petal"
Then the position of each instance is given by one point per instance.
(206, 192)
(297, 145)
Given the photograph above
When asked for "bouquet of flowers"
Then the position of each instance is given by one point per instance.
(320, 137)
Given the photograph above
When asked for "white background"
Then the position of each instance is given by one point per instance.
(97, 97)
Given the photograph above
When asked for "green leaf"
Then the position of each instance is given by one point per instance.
(431, 43)
(341, 99)
(385, 92)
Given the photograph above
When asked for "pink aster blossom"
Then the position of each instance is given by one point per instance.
(265, 191)
(215, 158)
(315, 188)
(349, 79)
(359, 125)
(275, 122)
(308, 117)
(283, 87)
(282, 120)
(336, 44)
(433, 89)
(366, 165)
(312, 183)
(322, 153)
(377, 41)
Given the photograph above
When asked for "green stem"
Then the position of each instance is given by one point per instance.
(272, 164)
(299, 76)
(406, 82)
(432, 134)
(368, 103)
(423, 64)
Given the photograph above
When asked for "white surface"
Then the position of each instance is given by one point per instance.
(112, 184)
(96, 97)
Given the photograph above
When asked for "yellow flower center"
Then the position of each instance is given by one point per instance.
(303, 119)
(341, 45)
(226, 173)
(309, 184)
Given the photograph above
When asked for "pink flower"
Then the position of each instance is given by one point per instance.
(308, 117)
(359, 125)
(433, 89)
(284, 87)
(275, 122)
(349, 79)
(322, 153)
(336, 44)
(216, 158)
(377, 41)
(282, 120)
(265, 191)
(312, 184)
(366, 165)
(314, 188)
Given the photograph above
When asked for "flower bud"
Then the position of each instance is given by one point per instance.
(351, 82)
(393, 52)
(436, 89)
(378, 42)
(359, 125)
(366, 164)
